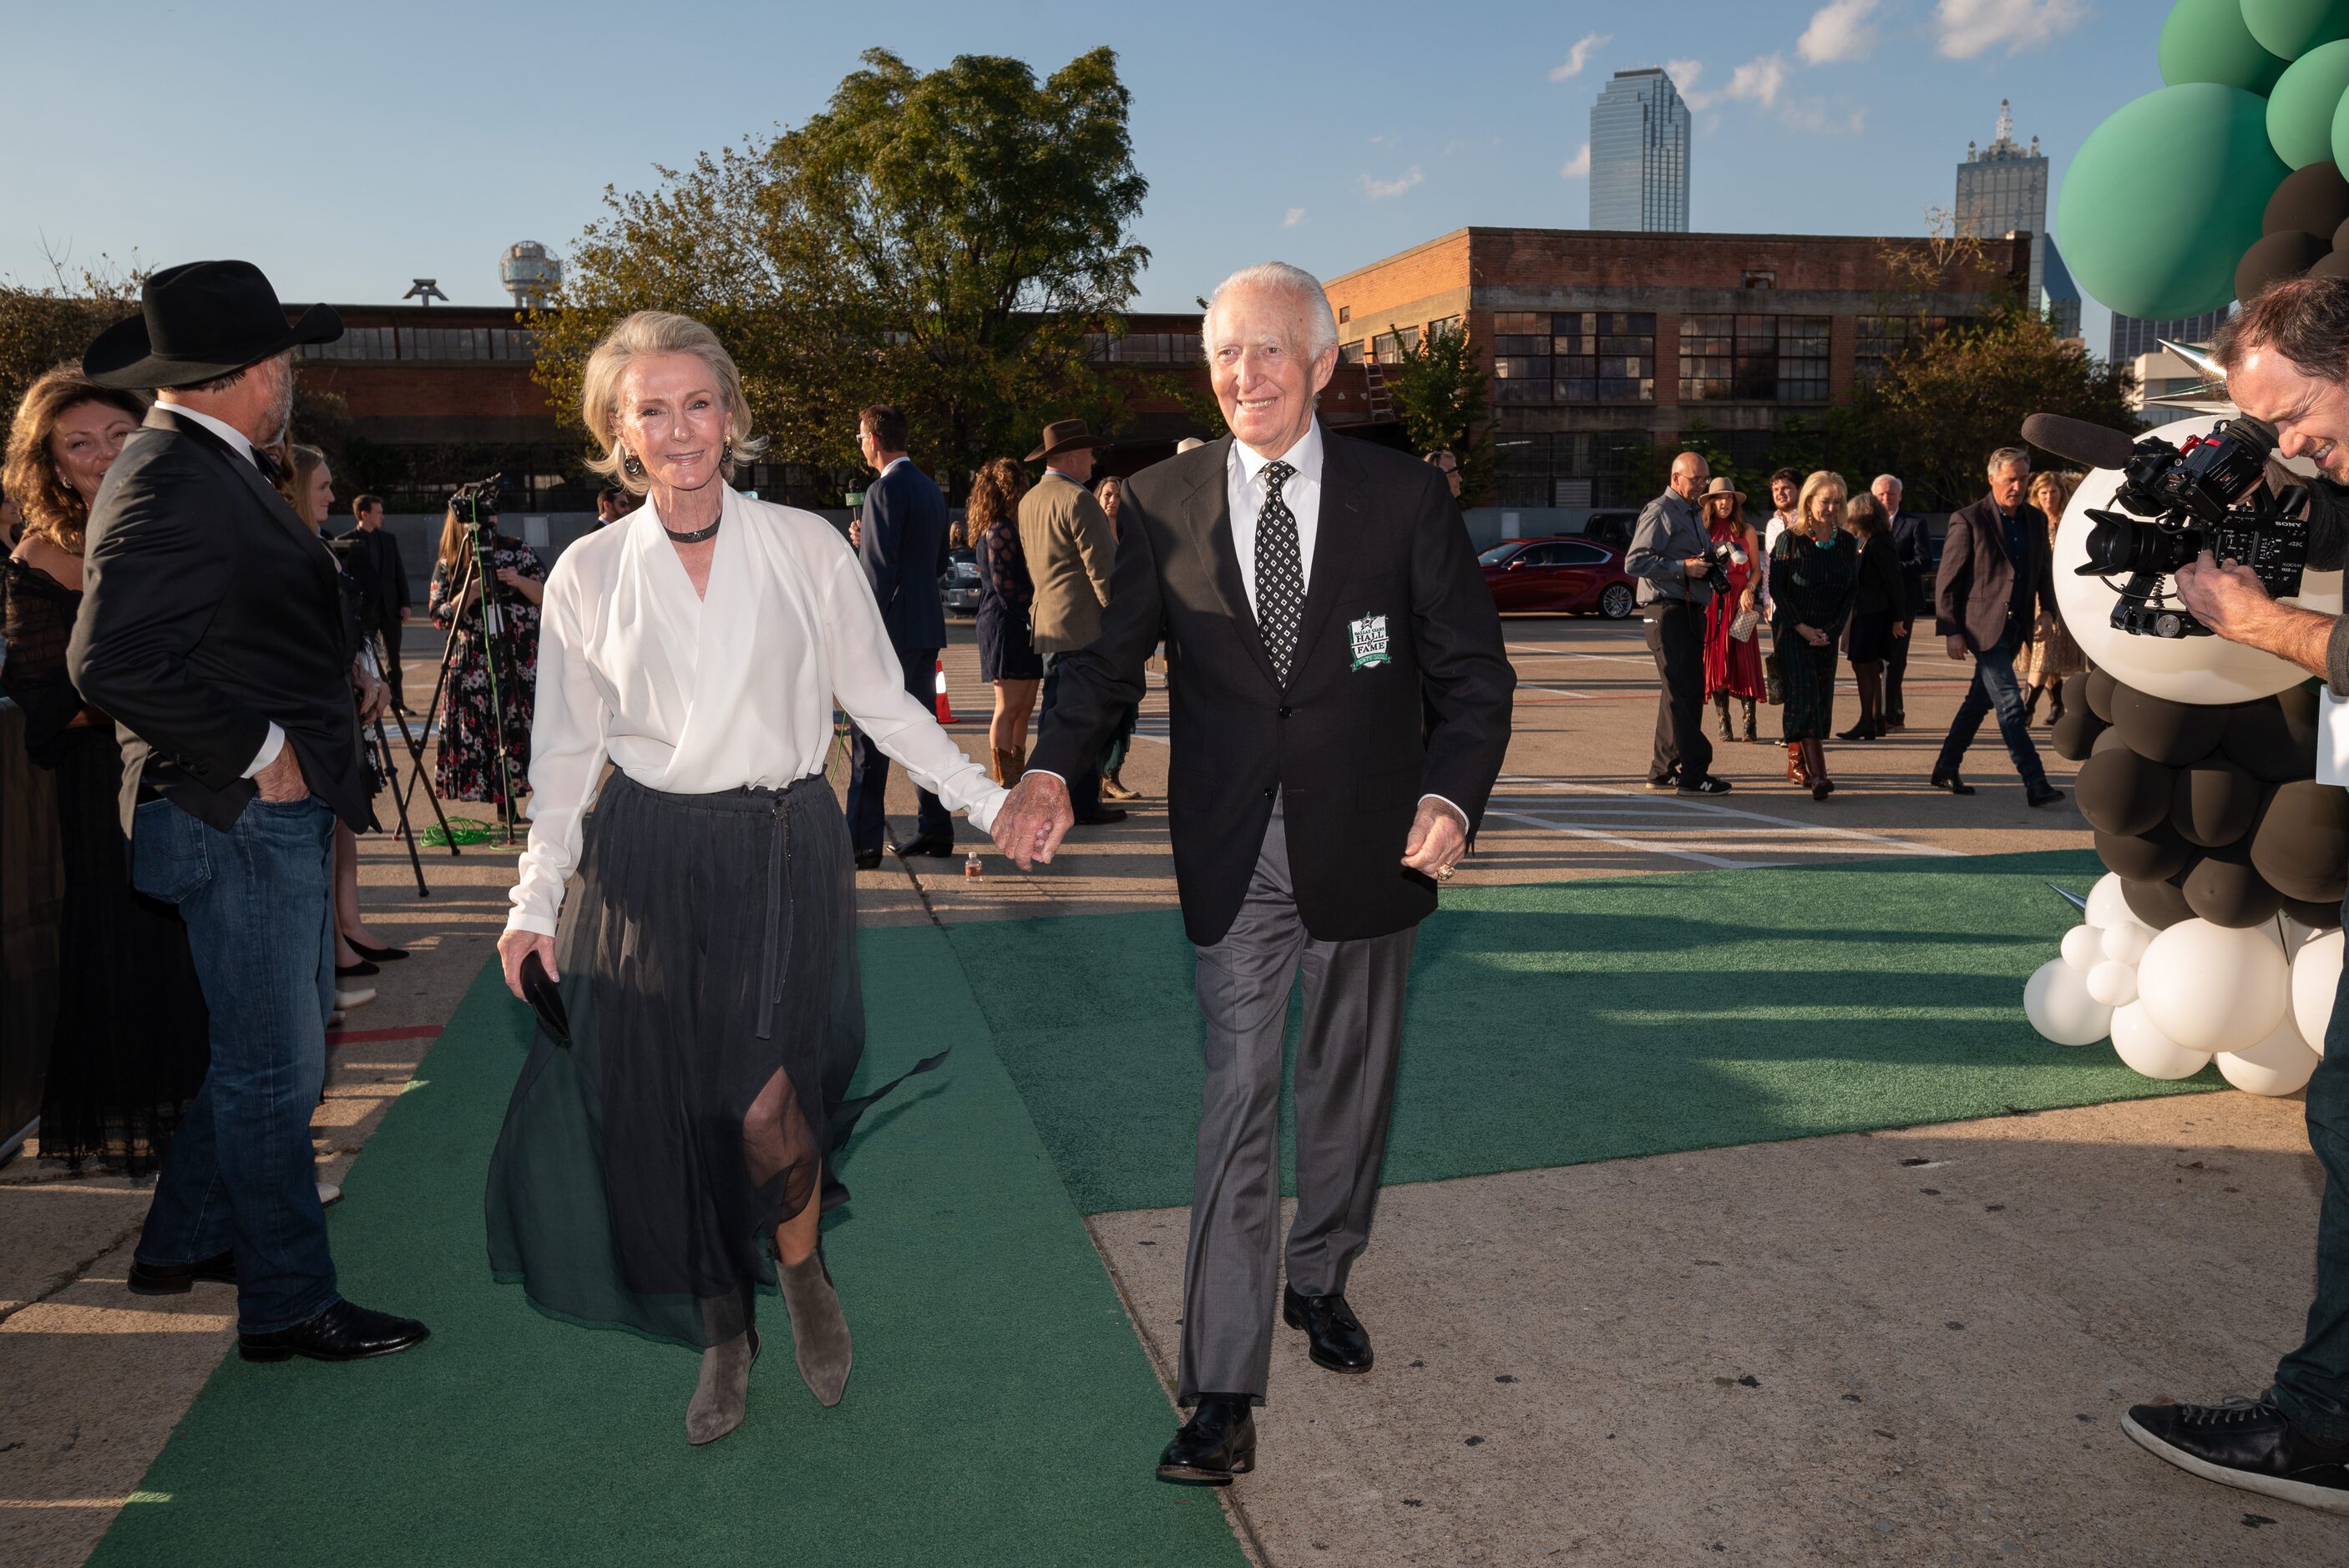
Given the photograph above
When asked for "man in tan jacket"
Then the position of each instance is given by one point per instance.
(1069, 546)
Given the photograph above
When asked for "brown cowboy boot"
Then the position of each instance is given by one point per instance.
(1815, 756)
(1797, 764)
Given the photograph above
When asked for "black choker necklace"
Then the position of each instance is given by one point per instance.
(695, 537)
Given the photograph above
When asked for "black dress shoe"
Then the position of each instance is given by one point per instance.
(937, 849)
(348, 970)
(2045, 797)
(1951, 782)
(868, 859)
(375, 954)
(1101, 817)
(344, 1331)
(1215, 1444)
(2247, 1443)
(1334, 1337)
(1708, 785)
(178, 1279)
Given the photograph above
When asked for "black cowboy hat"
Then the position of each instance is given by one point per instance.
(1065, 436)
(198, 322)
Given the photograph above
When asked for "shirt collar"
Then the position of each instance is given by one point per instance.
(894, 462)
(1305, 457)
(1057, 474)
(238, 441)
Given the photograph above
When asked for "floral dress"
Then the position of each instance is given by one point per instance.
(469, 767)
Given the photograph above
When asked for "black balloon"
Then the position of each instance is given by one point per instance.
(2107, 740)
(2302, 844)
(2314, 201)
(2331, 266)
(2099, 691)
(2224, 889)
(2272, 740)
(2275, 259)
(2144, 857)
(2216, 803)
(2315, 916)
(2176, 733)
(2122, 792)
(2074, 735)
(2160, 904)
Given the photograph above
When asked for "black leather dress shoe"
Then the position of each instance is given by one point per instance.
(868, 859)
(375, 954)
(1215, 1444)
(937, 849)
(2047, 797)
(178, 1279)
(344, 1331)
(1334, 1337)
(1100, 818)
(2247, 1443)
(1950, 781)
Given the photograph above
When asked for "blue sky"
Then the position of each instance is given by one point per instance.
(348, 150)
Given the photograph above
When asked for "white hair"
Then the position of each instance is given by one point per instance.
(1892, 479)
(642, 335)
(1313, 314)
(2007, 457)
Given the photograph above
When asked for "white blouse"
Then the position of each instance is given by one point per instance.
(694, 696)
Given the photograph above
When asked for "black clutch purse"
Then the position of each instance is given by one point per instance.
(545, 999)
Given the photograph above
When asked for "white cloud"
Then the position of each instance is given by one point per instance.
(1578, 166)
(1971, 27)
(1296, 218)
(1756, 81)
(1812, 113)
(1580, 56)
(1685, 75)
(1395, 187)
(1838, 31)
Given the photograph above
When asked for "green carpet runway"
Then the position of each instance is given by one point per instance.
(1002, 1410)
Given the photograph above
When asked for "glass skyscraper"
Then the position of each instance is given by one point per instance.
(2133, 336)
(1640, 155)
(2002, 189)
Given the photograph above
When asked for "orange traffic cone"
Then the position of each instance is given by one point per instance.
(946, 709)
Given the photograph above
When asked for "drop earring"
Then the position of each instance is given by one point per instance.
(629, 465)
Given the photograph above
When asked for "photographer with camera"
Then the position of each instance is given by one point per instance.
(488, 704)
(1672, 554)
(2286, 356)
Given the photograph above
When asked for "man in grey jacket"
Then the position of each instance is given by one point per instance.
(1672, 555)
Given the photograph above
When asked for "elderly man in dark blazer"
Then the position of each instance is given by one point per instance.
(1996, 576)
(902, 542)
(1912, 546)
(212, 630)
(1319, 603)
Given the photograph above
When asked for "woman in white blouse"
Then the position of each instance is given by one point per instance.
(706, 958)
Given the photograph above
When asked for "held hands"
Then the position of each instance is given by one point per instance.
(1811, 635)
(2226, 598)
(281, 779)
(516, 945)
(1035, 818)
(1438, 839)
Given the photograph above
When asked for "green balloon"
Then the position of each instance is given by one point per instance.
(2205, 41)
(2293, 27)
(2300, 110)
(2163, 199)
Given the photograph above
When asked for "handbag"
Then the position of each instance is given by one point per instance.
(1774, 686)
(1742, 628)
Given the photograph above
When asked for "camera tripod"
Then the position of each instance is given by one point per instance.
(490, 621)
(379, 652)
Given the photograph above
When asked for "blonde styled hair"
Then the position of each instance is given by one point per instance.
(2057, 484)
(53, 509)
(295, 485)
(646, 334)
(1819, 483)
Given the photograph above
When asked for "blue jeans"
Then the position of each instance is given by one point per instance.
(2311, 1384)
(1994, 687)
(868, 771)
(240, 1173)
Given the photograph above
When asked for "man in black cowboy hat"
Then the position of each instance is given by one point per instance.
(1071, 547)
(211, 629)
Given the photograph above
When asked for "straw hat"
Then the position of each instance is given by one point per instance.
(1721, 487)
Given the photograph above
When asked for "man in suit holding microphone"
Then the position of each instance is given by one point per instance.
(1319, 604)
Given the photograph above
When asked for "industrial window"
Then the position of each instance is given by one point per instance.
(1349, 353)
(1604, 356)
(1882, 338)
(1392, 346)
(1143, 348)
(1754, 358)
(1707, 355)
(1598, 467)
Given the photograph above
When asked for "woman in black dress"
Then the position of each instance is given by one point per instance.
(131, 1040)
(1814, 571)
(1008, 660)
(1876, 605)
(468, 767)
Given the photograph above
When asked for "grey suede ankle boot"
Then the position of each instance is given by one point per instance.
(724, 1390)
(818, 1329)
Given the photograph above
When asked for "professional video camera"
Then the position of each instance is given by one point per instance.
(2206, 495)
(477, 503)
(1724, 553)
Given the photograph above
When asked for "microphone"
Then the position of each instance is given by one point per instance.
(2097, 446)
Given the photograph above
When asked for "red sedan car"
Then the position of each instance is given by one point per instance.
(1569, 575)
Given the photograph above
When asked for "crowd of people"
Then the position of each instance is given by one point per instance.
(1837, 578)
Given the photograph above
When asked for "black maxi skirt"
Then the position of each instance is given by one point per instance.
(708, 965)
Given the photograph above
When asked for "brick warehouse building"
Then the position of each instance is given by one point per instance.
(1604, 346)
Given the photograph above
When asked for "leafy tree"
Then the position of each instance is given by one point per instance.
(945, 242)
(43, 327)
(1438, 394)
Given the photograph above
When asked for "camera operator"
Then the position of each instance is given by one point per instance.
(1672, 554)
(2286, 356)
(487, 705)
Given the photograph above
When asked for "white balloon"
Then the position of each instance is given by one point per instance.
(2108, 905)
(2279, 1064)
(2204, 670)
(2126, 943)
(2315, 979)
(2056, 1001)
(2113, 984)
(2211, 988)
(2084, 947)
(2146, 1049)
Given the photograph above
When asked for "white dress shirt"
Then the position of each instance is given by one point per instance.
(241, 445)
(694, 696)
(1245, 487)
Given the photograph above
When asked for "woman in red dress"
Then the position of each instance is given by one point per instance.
(1732, 664)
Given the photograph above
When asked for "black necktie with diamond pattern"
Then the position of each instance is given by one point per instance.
(1279, 572)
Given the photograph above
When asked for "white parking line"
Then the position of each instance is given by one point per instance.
(1588, 810)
